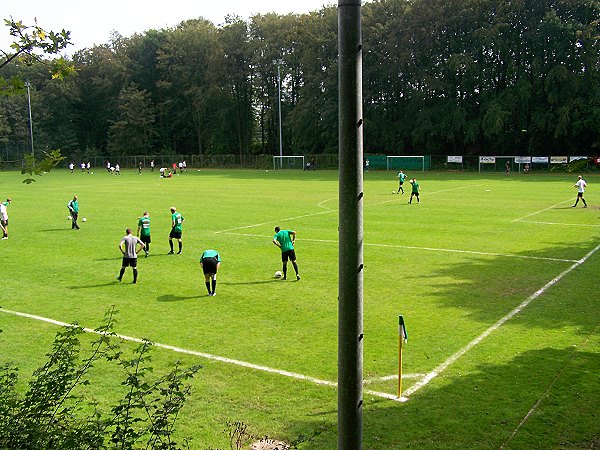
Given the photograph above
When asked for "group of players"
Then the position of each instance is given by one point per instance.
(210, 260)
(415, 187)
(580, 185)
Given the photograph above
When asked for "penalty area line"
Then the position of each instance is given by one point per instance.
(452, 359)
(208, 356)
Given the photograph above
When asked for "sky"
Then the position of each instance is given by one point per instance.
(92, 22)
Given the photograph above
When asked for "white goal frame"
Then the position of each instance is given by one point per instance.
(391, 166)
(288, 162)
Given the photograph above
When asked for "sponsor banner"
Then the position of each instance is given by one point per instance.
(559, 159)
(487, 160)
(539, 159)
(455, 159)
(522, 159)
(577, 158)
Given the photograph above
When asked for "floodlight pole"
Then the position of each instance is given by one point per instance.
(28, 84)
(350, 301)
(278, 63)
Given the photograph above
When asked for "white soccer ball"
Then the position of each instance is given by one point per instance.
(92, 172)
(84, 219)
(278, 274)
(68, 217)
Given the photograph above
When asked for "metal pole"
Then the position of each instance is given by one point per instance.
(28, 84)
(279, 62)
(350, 302)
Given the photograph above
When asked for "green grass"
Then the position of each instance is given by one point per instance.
(474, 249)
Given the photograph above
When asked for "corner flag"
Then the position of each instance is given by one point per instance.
(402, 329)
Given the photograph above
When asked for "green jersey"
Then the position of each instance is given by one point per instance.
(144, 226)
(177, 220)
(402, 177)
(415, 187)
(73, 206)
(211, 254)
(285, 240)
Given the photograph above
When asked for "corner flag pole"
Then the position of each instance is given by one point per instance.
(402, 337)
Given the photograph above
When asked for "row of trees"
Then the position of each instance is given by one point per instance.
(439, 76)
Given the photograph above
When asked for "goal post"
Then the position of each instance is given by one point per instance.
(406, 163)
(288, 162)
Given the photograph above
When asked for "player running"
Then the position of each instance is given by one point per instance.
(401, 178)
(284, 239)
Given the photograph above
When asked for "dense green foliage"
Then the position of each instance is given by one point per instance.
(441, 77)
(53, 414)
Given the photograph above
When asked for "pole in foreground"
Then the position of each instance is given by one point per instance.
(350, 301)
(402, 338)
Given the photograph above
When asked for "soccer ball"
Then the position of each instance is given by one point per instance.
(92, 172)
(278, 274)
(84, 220)
(68, 217)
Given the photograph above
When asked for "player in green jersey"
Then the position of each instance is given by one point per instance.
(73, 207)
(401, 179)
(415, 190)
(176, 229)
(285, 239)
(143, 231)
(210, 262)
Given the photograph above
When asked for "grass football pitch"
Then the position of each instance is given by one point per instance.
(496, 277)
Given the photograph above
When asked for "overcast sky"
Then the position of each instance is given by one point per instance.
(91, 22)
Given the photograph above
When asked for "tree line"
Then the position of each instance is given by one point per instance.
(439, 77)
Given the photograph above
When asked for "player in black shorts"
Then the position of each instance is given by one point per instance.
(210, 262)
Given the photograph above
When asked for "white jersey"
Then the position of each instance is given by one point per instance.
(3, 211)
(581, 185)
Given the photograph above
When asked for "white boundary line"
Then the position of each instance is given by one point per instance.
(562, 223)
(329, 210)
(442, 367)
(222, 359)
(407, 376)
(411, 247)
(541, 211)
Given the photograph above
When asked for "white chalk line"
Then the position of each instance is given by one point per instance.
(541, 211)
(408, 376)
(442, 367)
(412, 247)
(546, 393)
(562, 223)
(328, 211)
(208, 356)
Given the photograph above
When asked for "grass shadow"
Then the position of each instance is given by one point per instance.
(177, 298)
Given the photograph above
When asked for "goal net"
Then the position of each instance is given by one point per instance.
(406, 163)
(288, 162)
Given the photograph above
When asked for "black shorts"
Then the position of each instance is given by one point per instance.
(209, 265)
(290, 254)
(580, 194)
(129, 262)
(145, 239)
(4, 222)
(175, 234)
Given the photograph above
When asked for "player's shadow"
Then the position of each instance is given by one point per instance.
(177, 298)
(111, 283)
(56, 229)
(249, 282)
